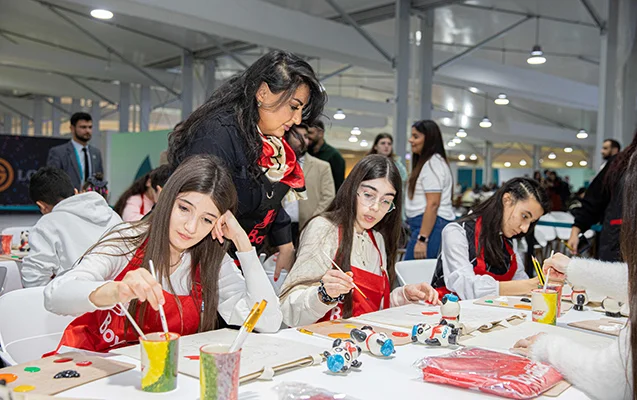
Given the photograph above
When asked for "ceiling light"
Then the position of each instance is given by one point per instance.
(101, 14)
(568, 149)
(507, 164)
(462, 157)
(461, 133)
(583, 163)
(582, 134)
(552, 156)
(451, 143)
(541, 161)
(339, 114)
(456, 140)
(353, 139)
(523, 162)
(446, 121)
(363, 143)
(473, 89)
(502, 100)
(485, 123)
(569, 163)
(537, 56)
(473, 157)
(355, 130)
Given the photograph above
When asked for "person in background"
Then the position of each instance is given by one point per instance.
(77, 158)
(603, 203)
(319, 182)
(319, 148)
(610, 148)
(70, 224)
(384, 145)
(187, 237)
(477, 257)
(137, 200)
(428, 205)
(558, 192)
(359, 231)
(243, 123)
(158, 178)
(96, 183)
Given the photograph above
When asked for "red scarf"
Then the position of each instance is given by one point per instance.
(278, 158)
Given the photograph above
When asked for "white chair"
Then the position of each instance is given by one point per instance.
(15, 232)
(563, 217)
(415, 271)
(13, 279)
(27, 329)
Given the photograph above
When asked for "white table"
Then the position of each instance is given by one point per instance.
(394, 378)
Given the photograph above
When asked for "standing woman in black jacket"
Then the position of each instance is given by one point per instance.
(243, 123)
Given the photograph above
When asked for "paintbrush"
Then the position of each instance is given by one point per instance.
(132, 321)
(248, 326)
(546, 281)
(162, 314)
(339, 268)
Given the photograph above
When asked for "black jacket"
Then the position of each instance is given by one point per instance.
(603, 204)
(259, 200)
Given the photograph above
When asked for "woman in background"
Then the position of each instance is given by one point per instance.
(384, 145)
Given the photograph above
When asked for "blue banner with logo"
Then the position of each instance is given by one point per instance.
(21, 157)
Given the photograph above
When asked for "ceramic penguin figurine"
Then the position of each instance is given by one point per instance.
(376, 343)
(343, 355)
(579, 298)
(612, 307)
(24, 241)
(450, 309)
(441, 335)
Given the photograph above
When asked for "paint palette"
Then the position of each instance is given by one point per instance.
(39, 376)
(340, 329)
(515, 302)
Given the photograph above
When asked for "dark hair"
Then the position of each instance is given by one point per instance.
(297, 135)
(50, 185)
(618, 166)
(80, 116)
(159, 176)
(614, 144)
(283, 72)
(342, 212)
(378, 138)
(138, 187)
(492, 212)
(318, 124)
(629, 254)
(96, 183)
(433, 145)
(202, 174)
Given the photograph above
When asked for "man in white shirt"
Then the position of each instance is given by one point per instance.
(71, 223)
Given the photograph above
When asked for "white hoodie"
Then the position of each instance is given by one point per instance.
(62, 236)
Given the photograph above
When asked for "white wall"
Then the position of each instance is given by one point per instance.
(19, 219)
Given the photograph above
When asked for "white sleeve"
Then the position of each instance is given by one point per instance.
(68, 294)
(458, 270)
(303, 307)
(520, 273)
(42, 262)
(600, 372)
(606, 278)
(431, 175)
(237, 294)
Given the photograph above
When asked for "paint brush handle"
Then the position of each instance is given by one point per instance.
(239, 340)
(339, 268)
(132, 322)
(162, 314)
(546, 280)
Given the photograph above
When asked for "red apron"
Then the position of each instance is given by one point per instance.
(375, 287)
(481, 265)
(103, 330)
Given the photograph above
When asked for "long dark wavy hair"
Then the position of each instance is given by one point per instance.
(492, 213)
(342, 212)
(283, 72)
(138, 187)
(378, 139)
(433, 145)
(619, 165)
(629, 254)
(202, 174)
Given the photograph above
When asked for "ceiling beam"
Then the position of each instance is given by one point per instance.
(601, 24)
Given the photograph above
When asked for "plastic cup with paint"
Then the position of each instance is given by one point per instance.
(5, 244)
(558, 288)
(159, 362)
(219, 372)
(544, 306)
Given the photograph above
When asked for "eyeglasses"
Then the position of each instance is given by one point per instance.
(367, 199)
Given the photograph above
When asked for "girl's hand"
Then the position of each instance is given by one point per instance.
(421, 291)
(558, 264)
(420, 250)
(138, 284)
(337, 283)
(228, 227)
(523, 346)
(284, 259)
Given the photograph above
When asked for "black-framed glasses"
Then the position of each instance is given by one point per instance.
(368, 199)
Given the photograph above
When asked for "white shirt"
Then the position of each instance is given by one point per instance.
(458, 268)
(435, 177)
(80, 155)
(69, 293)
(292, 206)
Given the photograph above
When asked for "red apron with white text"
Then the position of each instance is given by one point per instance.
(103, 330)
(375, 287)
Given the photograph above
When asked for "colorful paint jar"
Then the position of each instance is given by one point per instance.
(5, 244)
(159, 362)
(558, 288)
(544, 306)
(219, 372)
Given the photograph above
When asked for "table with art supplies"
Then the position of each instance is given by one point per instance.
(272, 363)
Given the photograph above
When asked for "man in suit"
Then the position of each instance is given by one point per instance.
(319, 182)
(77, 158)
(320, 149)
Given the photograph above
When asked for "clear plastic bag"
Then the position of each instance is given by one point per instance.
(504, 375)
(303, 391)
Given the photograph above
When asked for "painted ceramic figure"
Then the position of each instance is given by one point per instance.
(24, 241)
(612, 307)
(376, 343)
(579, 298)
(441, 335)
(343, 355)
(450, 309)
